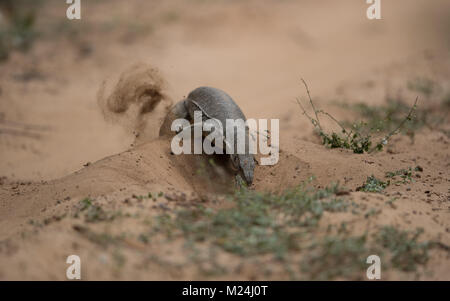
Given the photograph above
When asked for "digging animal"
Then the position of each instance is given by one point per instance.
(215, 104)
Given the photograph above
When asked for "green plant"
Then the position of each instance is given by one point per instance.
(93, 212)
(284, 230)
(19, 32)
(406, 251)
(404, 174)
(85, 203)
(359, 137)
(334, 256)
(373, 184)
(256, 223)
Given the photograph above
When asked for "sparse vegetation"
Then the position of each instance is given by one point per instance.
(360, 137)
(93, 212)
(283, 228)
(373, 184)
(18, 32)
(333, 256)
(422, 85)
(406, 175)
(386, 118)
(405, 250)
(257, 222)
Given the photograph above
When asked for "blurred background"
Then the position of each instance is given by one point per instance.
(51, 68)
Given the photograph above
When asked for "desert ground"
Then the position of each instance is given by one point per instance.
(80, 176)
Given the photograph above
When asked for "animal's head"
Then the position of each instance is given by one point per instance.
(245, 164)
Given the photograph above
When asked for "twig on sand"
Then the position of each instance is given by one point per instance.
(393, 132)
(316, 121)
(312, 104)
(355, 139)
(313, 121)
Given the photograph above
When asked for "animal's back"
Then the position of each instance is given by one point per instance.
(216, 103)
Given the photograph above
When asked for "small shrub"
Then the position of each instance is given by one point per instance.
(404, 174)
(406, 251)
(93, 212)
(373, 184)
(359, 137)
(334, 256)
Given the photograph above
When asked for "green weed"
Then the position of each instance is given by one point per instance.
(404, 174)
(359, 138)
(19, 32)
(256, 223)
(373, 184)
(93, 212)
(335, 256)
(406, 252)
(282, 230)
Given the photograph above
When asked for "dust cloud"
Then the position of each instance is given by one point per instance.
(138, 101)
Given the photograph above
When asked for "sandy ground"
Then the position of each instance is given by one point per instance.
(257, 51)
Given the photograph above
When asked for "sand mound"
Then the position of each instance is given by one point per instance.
(118, 182)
